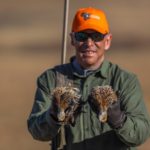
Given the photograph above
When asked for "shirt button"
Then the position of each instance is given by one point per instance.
(87, 129)
(86, 107)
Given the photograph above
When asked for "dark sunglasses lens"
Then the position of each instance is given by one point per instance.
(81, 36)
(97, 36)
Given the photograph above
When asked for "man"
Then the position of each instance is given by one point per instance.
(127, 125)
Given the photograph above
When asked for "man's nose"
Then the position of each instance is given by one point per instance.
(89, 41)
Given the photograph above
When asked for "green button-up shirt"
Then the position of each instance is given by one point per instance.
(89, 133)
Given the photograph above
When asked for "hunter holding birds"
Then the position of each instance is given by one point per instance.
(89, 103)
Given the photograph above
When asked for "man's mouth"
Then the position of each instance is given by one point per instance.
(88, 51)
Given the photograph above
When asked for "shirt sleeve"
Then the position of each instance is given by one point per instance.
(136, 128)
(40, 123)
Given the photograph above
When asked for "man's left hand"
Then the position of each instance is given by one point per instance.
(116, 117)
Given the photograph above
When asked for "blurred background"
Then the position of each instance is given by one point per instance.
(30, 42)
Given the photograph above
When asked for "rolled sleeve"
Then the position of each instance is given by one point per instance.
(40, 123)
(136, 127)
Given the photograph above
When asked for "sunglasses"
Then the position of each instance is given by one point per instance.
(83, 36)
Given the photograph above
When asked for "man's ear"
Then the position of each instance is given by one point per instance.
(108, 39)
(72, 39)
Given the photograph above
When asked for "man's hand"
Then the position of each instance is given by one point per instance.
(116, 117)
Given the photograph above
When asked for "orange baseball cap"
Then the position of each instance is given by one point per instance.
(90, 18)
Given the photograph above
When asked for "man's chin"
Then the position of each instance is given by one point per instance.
(88, 63)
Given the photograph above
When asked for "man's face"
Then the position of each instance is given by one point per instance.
(90, 53)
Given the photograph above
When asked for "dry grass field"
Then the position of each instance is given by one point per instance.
(30, 42)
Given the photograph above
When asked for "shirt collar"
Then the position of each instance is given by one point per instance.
(102, 70)
(80, 71)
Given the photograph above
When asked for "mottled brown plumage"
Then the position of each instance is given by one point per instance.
(103, 97)
(67, 99)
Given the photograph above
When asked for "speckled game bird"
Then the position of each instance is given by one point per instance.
(67, 100)
(102, 98)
